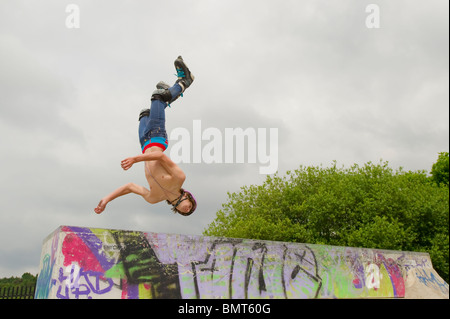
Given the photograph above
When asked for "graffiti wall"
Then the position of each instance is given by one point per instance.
(90, 263)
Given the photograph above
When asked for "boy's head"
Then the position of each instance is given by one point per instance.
(185, 204)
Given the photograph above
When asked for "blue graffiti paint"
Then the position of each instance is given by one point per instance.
(44, 281)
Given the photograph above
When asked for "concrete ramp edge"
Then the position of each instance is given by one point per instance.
(88, 263)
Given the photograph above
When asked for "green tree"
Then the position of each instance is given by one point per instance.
(371, 206)
(440, 169)
(26, 280)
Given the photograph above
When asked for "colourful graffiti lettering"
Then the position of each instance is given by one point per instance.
(98, 263)
(83, 284)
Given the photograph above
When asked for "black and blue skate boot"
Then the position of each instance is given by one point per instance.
(185, 77)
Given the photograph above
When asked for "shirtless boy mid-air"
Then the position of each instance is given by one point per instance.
(164, 177)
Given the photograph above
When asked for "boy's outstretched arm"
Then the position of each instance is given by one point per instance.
(153, 156)
(123, 190)
(163, 159)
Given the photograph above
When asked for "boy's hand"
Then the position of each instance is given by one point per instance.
(127, 163)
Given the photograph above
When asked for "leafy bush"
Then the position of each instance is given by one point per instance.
(371, 206)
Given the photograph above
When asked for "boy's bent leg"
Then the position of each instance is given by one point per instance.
(152, 128)
(152, 125)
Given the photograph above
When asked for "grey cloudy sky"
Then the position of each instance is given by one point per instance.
(334, 89)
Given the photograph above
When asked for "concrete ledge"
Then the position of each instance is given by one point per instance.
(82, 262)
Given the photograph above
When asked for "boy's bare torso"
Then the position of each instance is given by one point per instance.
(163, 178)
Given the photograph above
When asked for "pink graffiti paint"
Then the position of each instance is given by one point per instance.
(124, 289)
(398, 283)
(76, 251)
(357, 283)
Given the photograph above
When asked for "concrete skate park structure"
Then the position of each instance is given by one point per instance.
(81, 262)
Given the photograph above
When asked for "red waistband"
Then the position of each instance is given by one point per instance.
(154, 144)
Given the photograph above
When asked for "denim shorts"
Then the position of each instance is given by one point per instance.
(152, 128)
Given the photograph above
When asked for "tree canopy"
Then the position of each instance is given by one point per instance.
(26, 280)
(440, 169)
(370, 206)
